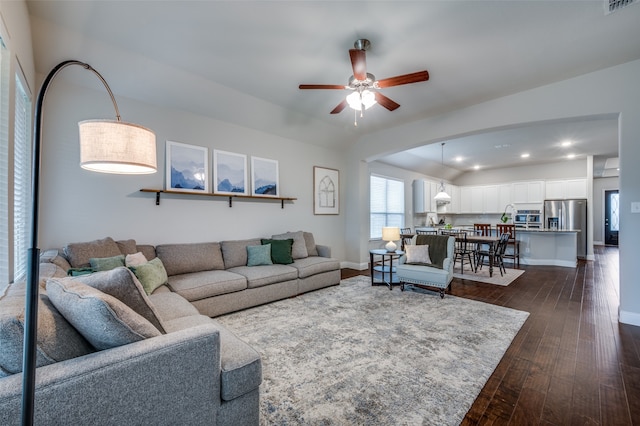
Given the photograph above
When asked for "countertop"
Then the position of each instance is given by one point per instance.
(547, 230)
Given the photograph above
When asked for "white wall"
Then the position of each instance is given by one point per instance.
(610, 91)
(77, 205)
(561, 170)
(599, 186)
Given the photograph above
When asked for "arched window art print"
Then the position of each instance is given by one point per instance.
(326, 191)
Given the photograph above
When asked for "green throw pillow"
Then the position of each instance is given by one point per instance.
(151, 274)
(280, 250)
(106, 263)
(259, 255)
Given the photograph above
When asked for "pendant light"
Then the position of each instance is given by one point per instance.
(442, 197)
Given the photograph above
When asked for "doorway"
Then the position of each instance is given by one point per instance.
(611, 217)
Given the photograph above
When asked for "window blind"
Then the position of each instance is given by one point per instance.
(22, 180)
(4, 166)
(386, 204)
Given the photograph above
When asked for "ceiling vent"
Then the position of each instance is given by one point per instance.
(611, 6)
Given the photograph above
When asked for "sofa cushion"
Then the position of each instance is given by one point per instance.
(310, 242)
(259, 276)
(106, 263)
(78, 254)
(299, 248)
(235, 252)
(148, 250)
(195, 257)
(151, 274)
(170, 305)
(54, 256)
(102, 319)
(280, 250)
(200, 285)
(122, 284)
(259, 255)
(241, 365)
(57, 340)
(127, 246)
(315, 265)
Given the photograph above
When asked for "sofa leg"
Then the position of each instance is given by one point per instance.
(401, 286)
(442, 293)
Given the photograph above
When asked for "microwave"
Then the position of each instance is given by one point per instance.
(520, 218)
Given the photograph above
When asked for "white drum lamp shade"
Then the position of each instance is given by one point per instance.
(391, 234)
(110, 146)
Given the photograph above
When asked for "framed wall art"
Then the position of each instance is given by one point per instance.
(326, 191)
(187, 167)
(264, 177)
(229, 173)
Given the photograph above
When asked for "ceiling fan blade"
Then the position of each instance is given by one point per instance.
(403, 79)
(322, 86)
(359, 63)
(340, 107)
(386, 102)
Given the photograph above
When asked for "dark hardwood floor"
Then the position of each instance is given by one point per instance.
(572, 363)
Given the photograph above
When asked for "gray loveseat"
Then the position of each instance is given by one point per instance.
(159, 358)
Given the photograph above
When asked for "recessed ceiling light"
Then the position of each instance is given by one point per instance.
(566, 143)
(525, 155)
(476, 167)
(458, 159)
(571, 156)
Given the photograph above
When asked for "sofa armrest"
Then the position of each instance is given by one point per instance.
(169, 379)
(323, 251)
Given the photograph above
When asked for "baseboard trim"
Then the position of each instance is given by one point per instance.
(354, 265)
(549, 262)
(631, 318)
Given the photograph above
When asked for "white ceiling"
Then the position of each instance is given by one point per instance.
(242, 62)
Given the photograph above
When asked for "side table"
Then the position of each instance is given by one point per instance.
(381, 267)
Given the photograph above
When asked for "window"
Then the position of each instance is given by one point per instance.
(22, 180)
(4, 166)
(386, 204)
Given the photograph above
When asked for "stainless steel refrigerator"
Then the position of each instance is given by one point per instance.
(568, 214)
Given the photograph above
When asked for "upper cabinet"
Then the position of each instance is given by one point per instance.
(528, 192)
(422, 196)
(566, 189)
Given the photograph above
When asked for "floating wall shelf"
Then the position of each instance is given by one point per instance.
(208, 194)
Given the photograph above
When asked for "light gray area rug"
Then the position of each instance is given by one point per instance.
(354, 354)
(482, 275)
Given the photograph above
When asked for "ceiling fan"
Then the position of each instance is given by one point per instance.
(364, 85)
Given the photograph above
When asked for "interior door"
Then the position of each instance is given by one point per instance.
(611, 217)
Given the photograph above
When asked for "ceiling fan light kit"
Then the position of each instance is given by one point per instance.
(365, 86)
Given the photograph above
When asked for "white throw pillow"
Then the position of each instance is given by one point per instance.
(135, 259)
(418, 254)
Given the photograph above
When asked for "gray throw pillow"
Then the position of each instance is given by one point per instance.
(57, 340)
(122, 284)
(79, 254)
(103, 320)
(299, 248)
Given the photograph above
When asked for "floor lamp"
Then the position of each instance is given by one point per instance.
(108, 146)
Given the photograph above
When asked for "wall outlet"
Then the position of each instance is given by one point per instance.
(635, 207)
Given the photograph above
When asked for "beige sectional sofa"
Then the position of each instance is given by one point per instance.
(157, 358)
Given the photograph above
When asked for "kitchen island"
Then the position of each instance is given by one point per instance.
(543, 246)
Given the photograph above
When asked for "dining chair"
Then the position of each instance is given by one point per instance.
(426, 232)
(405, 237)
(463, 248)
(498, 254)
(484, 230)
(514, 254)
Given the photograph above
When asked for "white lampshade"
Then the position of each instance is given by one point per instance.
(110, 146)
(442, 197)
(390, 234)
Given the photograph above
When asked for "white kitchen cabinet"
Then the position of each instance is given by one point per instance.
(490, 199)
(565, 189)
(477, 199)
(528, 192)
(465, 199)
(454, 206)
(421, 196)
(505, 196)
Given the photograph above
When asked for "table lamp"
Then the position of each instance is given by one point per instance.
(390, 234)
